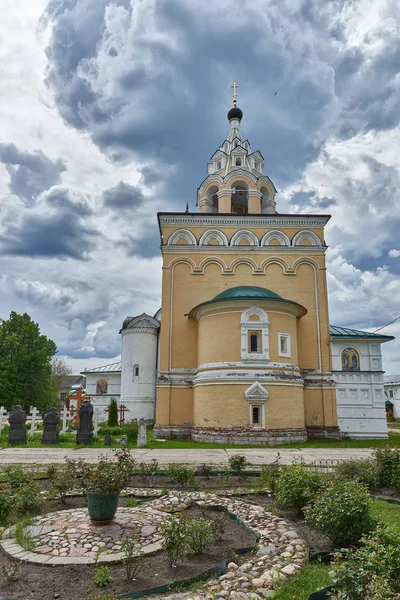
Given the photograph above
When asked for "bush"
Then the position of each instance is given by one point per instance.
(28, 499)
(181, 474)
(204, 470)
(269, 474)
(11, 571)
(6, 506)
(371, 571)
(16, 476)
(174, 538)
(112, 420)
(133, 555)
(297, 485)
(144, 470)
(113, 431)
(390, 415)
(131, 431)
(102, 576)
(341, 511)
(63, 483)
(200, 533)
(388, 463)
(237, 463)
(365, 471)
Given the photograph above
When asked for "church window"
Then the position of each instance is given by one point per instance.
(136, 370)
(256, 415)
(238, 162)
(63, 396)
(284, 344)
(101, 387)
(257, 166)
(255, 342)
(390, 393)
(350, 360)
(219, 165)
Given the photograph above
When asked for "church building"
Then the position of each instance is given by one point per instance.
(241, 349)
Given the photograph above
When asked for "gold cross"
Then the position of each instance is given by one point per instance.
(235, 87)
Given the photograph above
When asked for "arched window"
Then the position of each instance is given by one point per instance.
(350, 360)
(254, 344)
(136, 370)
(219, 165)
(101, 387)
(238, 162)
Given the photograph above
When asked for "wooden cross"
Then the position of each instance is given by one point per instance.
(235, 87)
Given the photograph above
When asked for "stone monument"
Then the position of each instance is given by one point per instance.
(107, 440)
(17, 421)
(85, 435)
(142, 434)
(50, 427)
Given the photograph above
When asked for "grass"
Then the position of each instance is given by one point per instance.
(386, 513)
(23, 538)
(67, 440)
(312, 578)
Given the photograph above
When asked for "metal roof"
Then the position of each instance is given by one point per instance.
(248, 292)
(111, 368)
(391, 379)
(345, 332)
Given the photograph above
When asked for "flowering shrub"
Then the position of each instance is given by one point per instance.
(174, 538)
(388, 462)
(365, 471)
(297, 485)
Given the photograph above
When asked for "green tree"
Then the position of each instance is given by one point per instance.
(112, 420)
(25, 364)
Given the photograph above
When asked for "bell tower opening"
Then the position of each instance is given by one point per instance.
(240, 198)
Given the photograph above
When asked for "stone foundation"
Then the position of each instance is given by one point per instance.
(321, 432)
(232, 435)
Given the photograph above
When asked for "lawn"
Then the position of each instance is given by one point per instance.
(312, 578)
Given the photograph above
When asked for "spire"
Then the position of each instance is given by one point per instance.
(235, 114)
(187, 207)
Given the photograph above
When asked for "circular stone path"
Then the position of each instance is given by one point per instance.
(69, 536)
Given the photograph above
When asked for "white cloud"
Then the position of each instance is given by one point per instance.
(394, 253)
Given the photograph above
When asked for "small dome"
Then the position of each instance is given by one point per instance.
(140, 322)
(248, 292)
(235, 113)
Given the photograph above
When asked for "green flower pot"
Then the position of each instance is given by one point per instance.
(101, 506)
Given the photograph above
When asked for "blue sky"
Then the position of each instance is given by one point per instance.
(110, 110)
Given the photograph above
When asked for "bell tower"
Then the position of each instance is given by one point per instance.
(244, 343)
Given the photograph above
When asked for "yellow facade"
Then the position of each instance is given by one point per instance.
(244, 341)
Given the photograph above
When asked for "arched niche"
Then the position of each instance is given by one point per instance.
(213, 237)
(183, 237)
(350, 359)
(212, 197)
(240, 198)
(275, 238)
(306, 238)
(244, 238)
(101, 387)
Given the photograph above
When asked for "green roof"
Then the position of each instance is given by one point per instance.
(345, 332)
(248, 292)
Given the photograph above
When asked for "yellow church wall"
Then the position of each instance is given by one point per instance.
(224, 203)
(163, 404)
(320, 407)
(226, 406)
(174, 405)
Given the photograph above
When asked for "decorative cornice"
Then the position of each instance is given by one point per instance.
(203, 220)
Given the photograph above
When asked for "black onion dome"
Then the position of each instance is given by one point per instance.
(235, 113)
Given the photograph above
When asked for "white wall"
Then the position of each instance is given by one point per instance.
(139, 347)
(360, 394)
(102, 401)
(395, 399)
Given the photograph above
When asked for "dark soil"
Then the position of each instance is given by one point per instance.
(75, 582)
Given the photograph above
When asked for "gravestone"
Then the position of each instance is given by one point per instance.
(142, 434)
(85, 435)
(50, 427)
(17, 421)
(123, 441)
(107, 440)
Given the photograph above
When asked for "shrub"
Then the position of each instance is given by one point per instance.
(297, 485)
(269, 474)
(237, 463)
(144, 470)
(181, 474)
(133, 555)
(341, 511)
(11, 571)
(371, 571)
(63, 483)
(174, 538)
(113, 431)
(112, 420)
(28, 499)
(131, 430)
(388, 462)
(200, 533)
(365, 471)
(390, 415)
(204, 470)
(102, 576)
(6, 506)
(16, 476)
(51, 470)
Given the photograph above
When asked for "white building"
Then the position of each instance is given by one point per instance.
(392, 393)
(358, 372)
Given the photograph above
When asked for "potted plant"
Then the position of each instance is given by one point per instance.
(103, 483)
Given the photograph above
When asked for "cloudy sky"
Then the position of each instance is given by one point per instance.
(110, 109)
